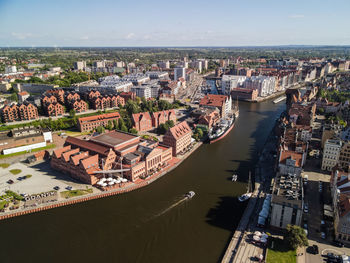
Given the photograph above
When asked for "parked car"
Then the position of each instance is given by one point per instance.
(56, 188)
(337, 243)
(10, 181)
(315, 247)
(306, 208)
(69, 188)
(323, 235)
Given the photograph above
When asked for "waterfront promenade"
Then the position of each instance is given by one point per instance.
(130, 187)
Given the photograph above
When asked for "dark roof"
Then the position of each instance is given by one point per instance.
(88, 145)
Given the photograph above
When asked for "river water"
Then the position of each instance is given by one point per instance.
(153, 224)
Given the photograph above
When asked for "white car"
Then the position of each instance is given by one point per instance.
(323, 235)
(306, 208)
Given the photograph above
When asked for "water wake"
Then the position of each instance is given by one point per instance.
(170, 207)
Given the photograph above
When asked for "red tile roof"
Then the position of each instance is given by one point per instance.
(213, 100)
(298, 157)
(99, 117)
(180, 130)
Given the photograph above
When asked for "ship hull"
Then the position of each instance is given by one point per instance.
(223, 135)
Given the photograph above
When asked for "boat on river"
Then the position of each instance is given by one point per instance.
(279, 99)
(190, 194)
(248, 194)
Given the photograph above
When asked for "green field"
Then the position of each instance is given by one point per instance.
(73, 193)
(279, 252)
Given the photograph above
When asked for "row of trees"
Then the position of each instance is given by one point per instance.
(150, 105)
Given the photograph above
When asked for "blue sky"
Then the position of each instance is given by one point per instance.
(174, 23)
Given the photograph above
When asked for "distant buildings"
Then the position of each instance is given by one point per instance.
(80, 65)
(10, 69)
(144, 121)
(179, 73)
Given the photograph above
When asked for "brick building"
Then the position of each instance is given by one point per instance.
(160, 117)
(19, 112)
(128, 96)
(92, 122)
(58, 93)
(81, 159)
(46, 100)
(54, 109)
(78, 106)
(178, 137)
(71, 97)
(142, 121)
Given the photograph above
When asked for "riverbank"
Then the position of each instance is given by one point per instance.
(238, 249)
(74, 200)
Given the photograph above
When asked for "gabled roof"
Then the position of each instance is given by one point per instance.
(179, 130)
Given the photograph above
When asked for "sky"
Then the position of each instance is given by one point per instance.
(101, 23)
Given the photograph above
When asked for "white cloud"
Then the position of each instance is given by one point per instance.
(296, 16)
(21, 35)
(130, 36)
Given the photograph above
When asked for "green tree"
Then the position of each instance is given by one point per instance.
(109, 125)
(72, 113)
(13, 97)
(100, 129)
(296, 236)
(133, 131)
(115, 124)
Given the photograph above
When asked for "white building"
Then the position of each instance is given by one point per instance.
(229, 82)
(80, 65)
(10, 69)
(265, 85)
(331, 153)
(99, 64)
(136, 78)
(179, 73)
(157, 74)
(142, 91)
(164, 64)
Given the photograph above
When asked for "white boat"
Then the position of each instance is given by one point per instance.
(190, 194)
(234, 177)
(248, 194)
(279, 99)
(245, 197)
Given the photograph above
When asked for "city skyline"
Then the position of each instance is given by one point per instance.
(114, 24)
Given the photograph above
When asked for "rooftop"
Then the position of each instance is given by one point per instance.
(114, 138)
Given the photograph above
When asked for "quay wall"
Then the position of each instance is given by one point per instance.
(79, 199)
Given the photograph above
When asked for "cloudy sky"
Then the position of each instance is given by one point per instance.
(174, 23)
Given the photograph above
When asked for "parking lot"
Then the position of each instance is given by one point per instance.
(42, 179)
(316, 222)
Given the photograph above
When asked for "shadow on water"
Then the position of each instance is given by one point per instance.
(228, 211)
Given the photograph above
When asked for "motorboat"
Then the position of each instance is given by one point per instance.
(190, 194)
(234, 177)
(244, 197)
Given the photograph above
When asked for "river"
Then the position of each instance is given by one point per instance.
(153, 224)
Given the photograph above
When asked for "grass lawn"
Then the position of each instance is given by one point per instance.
(279, 252)
(73, 193)
(50, 146)
(15, 171)
(4, 165)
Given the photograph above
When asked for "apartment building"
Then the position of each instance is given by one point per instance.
(92, 122)
(331, 154)
(19, 112)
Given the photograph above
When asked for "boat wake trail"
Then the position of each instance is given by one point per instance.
(170, 207)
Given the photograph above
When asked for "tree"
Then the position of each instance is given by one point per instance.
(72, 113)
(296, 236)
(133, 131)
(100, 129)
(115, 124)
(13, 97)
(164, 105)
(109, 125)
